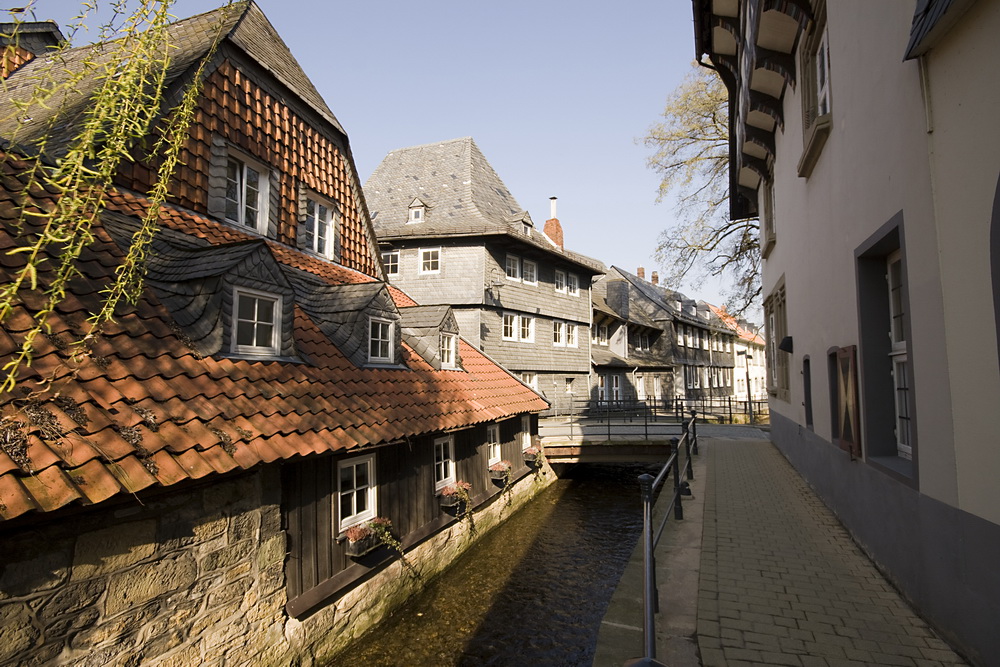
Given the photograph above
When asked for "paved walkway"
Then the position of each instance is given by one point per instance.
(781, 582)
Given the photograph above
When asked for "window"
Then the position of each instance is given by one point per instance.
(417, 211)
(777, 328)
(390, 259)
(527, 328)
(602, 387)
(559, 333)
(513, 267)
(643, 341)
(380, 340)
(688, 337)
(525, 431)
(430, 260)
(616, 387)
(898, 355)
(561, 281)
(246, 194)
(570, 335)
(704, 339)
(767, 234)
(572, 285)
(447, 350)
(256, 322)
(530, 379)
(569, 385)
(317, 227)
(529, 272)
(526, 229)
(356, 491)
(444, 462)
(602, 334)
(493, 451)
(816, 102)
(640, 387)
(688, 377)
(680, 335)
(509, 326)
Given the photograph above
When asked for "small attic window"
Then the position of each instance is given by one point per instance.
(448, 350)
(417, 211)
(526, 229)
(256, 322)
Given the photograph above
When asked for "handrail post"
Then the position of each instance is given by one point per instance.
(649, 584)
(694, 430)
(678, 508)
(690, 464)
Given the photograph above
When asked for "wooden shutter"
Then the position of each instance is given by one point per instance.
(848, 419)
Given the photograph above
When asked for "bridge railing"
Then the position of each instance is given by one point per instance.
(688, 443)
(716, 409)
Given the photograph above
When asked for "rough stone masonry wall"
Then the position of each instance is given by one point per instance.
(195, 578)
(186, 579)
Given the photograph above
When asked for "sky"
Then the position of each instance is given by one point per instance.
(556, 93)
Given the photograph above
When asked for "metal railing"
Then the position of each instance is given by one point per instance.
(647, 489)
(717, 409)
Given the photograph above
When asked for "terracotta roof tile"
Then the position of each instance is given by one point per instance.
(94, 481)
(51, 488)
(15, 499)
(132, 474)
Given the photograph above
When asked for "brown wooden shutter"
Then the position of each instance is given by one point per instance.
(848, 419)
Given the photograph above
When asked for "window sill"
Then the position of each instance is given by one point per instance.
(814, 143)
(896, 467)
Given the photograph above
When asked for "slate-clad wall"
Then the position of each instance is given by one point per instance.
(540, 355)
(460, 278)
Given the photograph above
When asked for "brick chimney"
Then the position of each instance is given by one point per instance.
(656, 278)
(34, 38)
(552, 227)
(641, 272)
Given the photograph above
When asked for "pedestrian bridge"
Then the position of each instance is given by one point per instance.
(577, 439)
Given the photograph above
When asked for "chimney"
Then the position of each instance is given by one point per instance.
(552, 227)
(34, 38)
(641, 272)
(656, 278)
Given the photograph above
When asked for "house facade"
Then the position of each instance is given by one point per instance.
(183, 488)
(451, 233)
(749, 349)
(862, 135)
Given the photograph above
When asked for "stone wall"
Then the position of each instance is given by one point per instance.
(194, 578)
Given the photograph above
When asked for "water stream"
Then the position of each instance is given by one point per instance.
(531, 592)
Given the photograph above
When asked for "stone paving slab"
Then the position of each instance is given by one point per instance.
(781, 581)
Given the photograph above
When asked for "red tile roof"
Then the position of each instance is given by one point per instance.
(742, 332)
(142, 409)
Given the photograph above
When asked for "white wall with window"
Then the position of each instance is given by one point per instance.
(357, 498)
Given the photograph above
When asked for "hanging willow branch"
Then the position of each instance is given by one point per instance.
(131, 73)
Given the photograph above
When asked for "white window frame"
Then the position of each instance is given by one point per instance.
(560, 281)
(255, 350)
(559, 333)
(416, 214)
(531, 379)
(525, 272)
(390, 260)
(448, 349)
(389, 340)
(602, 334)
(243, 165)
(329, 228)
(510, 319)
(569, 385)
(572, 284)
(640, 386)
(512, 268)
(426, 259)
(444, 462)
(571, 335)
(370, 493)
(525, 431)
(526, 329)
(493, 450)
(616, 387)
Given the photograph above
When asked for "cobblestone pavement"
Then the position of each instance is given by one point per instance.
(782, 583)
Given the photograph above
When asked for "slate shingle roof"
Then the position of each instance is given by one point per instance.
(463, 193)
(143, 408)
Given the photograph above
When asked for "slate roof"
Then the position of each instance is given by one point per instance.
(463, 194)
(931, 19)
(242, 24)
(144, 408)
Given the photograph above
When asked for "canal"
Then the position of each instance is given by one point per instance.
(532, 591)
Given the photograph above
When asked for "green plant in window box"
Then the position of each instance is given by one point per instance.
(368, 536)
(501, 471)
(457, 496)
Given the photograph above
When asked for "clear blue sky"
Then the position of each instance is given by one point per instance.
(556, 93)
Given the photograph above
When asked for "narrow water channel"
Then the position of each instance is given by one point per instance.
(531, 592)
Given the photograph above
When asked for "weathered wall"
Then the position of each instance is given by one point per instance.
(194, 578)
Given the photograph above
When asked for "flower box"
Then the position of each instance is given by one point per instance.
(500, 471)
(532, 455)
(362, 546)
(453, 495)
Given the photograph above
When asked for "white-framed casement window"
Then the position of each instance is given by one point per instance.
(380, 340)
(529, 272)
(898, 355)
(493, 443)
(602, 334)
(688, 377)
(449, 354)
(530, 379)
(689, 337)
(512, 266)
(616, 387)
(680, 335)
(390, 260)
(776, 321)
(444, 462)
(569, 385)
(246, 193)
(560, 281)
(571, 336)
(640, 387)
(816, 100)
(527, 329)
(704, 340)
(509, 326)
(256, 322)
(526, 229)
(644, 341)
(572, 285)
(602, 387)
(525, 431)
(559, 333)
(318, 231)
(357, 499)
(416, 214)
(430, 260)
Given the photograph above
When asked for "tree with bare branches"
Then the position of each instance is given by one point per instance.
(691, 155)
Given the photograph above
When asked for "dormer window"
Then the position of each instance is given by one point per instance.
(417, 211)
(526, 229)
(256, 322)
(246, 193)
(318, 231)
(380, 341)
(447, 350)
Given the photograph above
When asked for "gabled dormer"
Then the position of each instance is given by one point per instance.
(417, 210)
(432, 332)
(522, 223)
